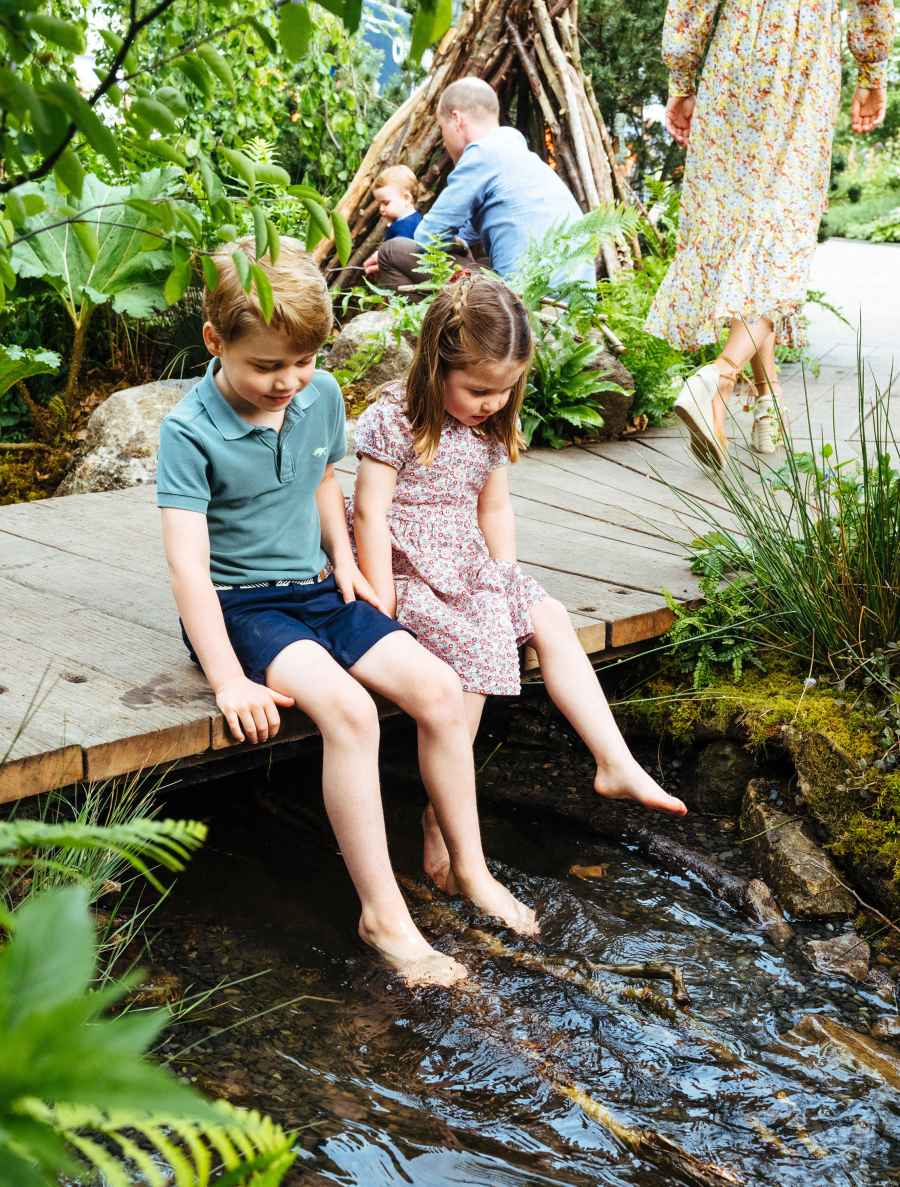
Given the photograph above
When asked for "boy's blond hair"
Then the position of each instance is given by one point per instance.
(401, 176)
(302, 305)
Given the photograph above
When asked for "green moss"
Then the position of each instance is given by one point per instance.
(855, 807)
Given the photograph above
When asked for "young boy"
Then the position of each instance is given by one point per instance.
(395, 190)
(274, 608)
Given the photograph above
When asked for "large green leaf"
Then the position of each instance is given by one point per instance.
(121, 273)
(17, 364)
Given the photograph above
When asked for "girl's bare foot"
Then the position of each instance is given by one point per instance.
(631, 782)
(406, 950)
(494, 899)
(436, 858)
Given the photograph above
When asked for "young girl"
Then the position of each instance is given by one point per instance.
(435, 531)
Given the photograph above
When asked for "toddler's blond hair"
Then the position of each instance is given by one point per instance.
(401, 176)
(302, 305)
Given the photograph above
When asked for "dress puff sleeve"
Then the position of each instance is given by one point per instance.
(870, 37)
(383, 432)
(686, 33)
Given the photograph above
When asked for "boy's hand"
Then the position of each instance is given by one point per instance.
(250, 709)
(370, 265)
(352, 585)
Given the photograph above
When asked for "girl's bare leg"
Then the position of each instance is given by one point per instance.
(348, 721)
(436, 857)
(402, 670)
(575, 690)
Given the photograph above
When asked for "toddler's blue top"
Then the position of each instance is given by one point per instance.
(505, 195)
(405, 226)
(256, 487)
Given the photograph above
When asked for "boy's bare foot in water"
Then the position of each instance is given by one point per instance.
(414, 960)
(435, 858)
(631, 782)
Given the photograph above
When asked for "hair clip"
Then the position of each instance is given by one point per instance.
(459, 274)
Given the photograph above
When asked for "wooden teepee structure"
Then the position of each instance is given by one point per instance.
(528, 51)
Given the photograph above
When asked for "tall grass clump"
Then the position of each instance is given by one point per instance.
(819, 540)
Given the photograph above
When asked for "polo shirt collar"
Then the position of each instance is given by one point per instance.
(230, 424)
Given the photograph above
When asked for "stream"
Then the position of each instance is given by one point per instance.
(480, 1086)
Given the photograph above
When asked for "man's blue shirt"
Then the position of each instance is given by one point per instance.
(505, 195)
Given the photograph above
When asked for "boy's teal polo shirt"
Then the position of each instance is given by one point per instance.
(256, 487)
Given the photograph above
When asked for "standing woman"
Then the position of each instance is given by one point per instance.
(758, 129)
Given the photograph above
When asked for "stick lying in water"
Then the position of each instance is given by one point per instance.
(644, 1143)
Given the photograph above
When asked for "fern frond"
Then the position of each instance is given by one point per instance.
(249, 1147)
(168, 842)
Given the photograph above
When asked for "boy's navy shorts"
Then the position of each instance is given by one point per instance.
(262, 621)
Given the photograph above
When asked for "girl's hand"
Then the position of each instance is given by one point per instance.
(250, 709)
(352, 585)
(867, 111)
(679, 113)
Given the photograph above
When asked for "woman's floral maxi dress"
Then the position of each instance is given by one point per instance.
(470, 610)
(758, 163)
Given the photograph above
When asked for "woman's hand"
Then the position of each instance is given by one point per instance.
(679, 113)
(869, 106)
(353, 585)
(250, 709)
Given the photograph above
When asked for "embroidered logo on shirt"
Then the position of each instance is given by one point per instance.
(318, 452)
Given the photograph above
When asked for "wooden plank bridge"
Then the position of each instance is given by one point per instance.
(95, 681)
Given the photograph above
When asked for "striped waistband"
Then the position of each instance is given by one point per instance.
(315, 580)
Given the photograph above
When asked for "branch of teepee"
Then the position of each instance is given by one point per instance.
(534, 81)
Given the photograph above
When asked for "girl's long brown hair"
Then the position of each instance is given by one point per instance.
(473, 320)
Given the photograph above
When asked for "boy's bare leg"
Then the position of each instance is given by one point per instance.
(424, 687)
(348, 721)
(575, 690)
(436, 856)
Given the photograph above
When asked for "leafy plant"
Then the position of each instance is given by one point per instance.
(820, 539)
(716, 633)
(563, 386)
(76, 1090)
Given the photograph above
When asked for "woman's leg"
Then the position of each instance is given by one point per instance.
(429, 691)
(347, 719)
(745, 340)
(436, 856)
(765, 369)
(575, 690)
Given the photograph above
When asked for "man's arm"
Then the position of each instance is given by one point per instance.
(375, 483)
(249, 708)
(455, 205)
(336, 542)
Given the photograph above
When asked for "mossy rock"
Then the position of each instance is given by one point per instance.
(852, 807)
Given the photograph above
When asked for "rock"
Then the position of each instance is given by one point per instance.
(887, 1028)
(850, 1047)
(615, 407)
(122, 438)
(719, 779)
(846, 954)
(802, 876)
(883, 984)
(393, 360)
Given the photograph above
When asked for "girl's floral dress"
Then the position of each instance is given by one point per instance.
(756, 177)
(470, 610)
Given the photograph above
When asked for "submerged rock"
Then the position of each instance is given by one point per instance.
(390, 359)
(848, 954)
(801, 875)
(719, 779)
(851, 1048)
(122, 438)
